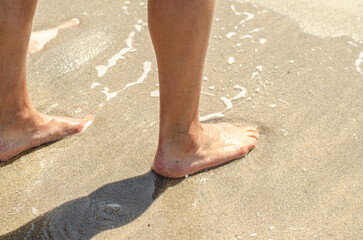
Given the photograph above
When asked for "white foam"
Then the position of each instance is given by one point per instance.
(35, 211)
(130, 39)
(230, 34)
(125, 10)
(227, 102)
(280, 100)
(284, 131)
(255, 30)
(241, 94)
(147, 69)
(263, 41)
(95, 84)
(358, 62)
(352, 43)
(211, 87)
(211, 116)
(51, 107)
(259, 67)
(109, 95)
(207, 93)
(230, 60)
(102, 69)
(138, 27)
(155, 93)
(235, 11)
(249, 17)
(254, 74)
(245, 36)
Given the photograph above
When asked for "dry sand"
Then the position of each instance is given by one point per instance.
(303, 91)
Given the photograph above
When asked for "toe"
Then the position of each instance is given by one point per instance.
(252, 134)
(71, 23)
(80, 125)
(252, 144)
(86, 122)
(250, 129)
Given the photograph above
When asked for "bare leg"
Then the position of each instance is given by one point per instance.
(180, 32)
(21, 126)
(40, 38)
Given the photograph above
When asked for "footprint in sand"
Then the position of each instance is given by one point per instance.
(40, 38)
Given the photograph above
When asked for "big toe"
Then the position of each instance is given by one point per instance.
(85, 123)
(80, 125)
(68, 126)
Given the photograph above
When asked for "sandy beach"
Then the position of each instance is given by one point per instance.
(294, 70)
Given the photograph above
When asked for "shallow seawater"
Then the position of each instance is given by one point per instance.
(260, 70)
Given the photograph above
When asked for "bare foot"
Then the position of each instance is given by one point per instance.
(215, 144)
(25, 132)
(40, 38)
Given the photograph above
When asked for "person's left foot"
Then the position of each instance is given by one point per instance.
(209, 145)
(39, 39)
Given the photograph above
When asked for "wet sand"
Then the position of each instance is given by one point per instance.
(267, 66)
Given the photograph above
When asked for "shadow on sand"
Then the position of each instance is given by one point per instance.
(24, 153)
(111, 206)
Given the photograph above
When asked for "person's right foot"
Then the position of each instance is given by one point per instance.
(214, 145)
(40, 38)
(34, 129)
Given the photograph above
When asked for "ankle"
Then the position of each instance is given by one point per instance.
(183, 140)
(18, 107)
(15, 116)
